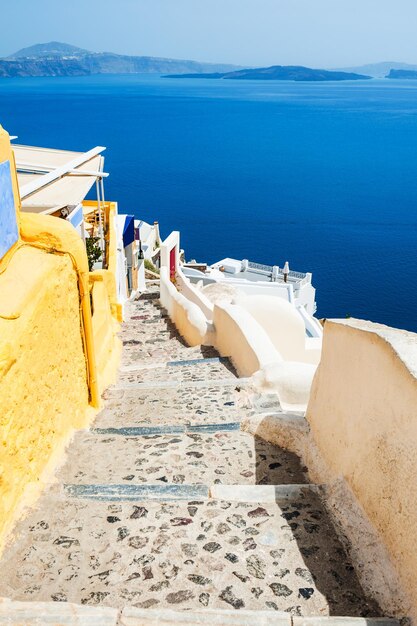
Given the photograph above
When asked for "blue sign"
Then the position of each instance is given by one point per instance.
(9, 232)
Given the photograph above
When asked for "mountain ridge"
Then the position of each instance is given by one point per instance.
(61, 59)
(50, 49)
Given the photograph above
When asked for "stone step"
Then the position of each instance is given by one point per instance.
(217, 455)
(173, 429)
(190, 370)
(151, 293)
(190, 555)
(142, 617)
(132, 616)
(334, 620)
(262, 493)
(65, 614)
(55, 613)
(133, 493)
(139, 366)
(228, 381)
(157, 339)
(202, 361)
(179, 404)
(149, 333)
(165, 493)
(158, 343)
(165, 349)
(135, 367)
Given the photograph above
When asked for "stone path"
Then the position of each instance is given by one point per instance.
(130, 520)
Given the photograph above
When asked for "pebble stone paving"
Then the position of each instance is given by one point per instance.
(185, 553)
(181, 405)
(182, 555)
(220, 457)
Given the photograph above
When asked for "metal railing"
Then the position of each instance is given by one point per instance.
(297, 276)
(260, 266)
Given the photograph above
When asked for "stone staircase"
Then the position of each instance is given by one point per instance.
(166, 512)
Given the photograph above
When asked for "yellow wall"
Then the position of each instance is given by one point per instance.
(43, 383)
(107, 345)
(55, 357)
(110, 274)
(362, 413)
(107, 311)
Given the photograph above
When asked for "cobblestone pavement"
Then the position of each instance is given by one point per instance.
(180, 405)
(219, 457)
(185, 554)
(130, 520)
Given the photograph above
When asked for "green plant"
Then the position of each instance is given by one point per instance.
(93, 251)
(150, 266)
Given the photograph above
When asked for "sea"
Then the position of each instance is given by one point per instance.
(322, 175)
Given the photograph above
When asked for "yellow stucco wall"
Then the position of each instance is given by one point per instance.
(109, 275)
(55, 356)
(362, 413)
(43, 384)
(107, 311)
(107, 345)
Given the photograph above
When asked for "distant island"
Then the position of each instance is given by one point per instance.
(405, 74)
(278, 72)
(61, 59)
(377, 70)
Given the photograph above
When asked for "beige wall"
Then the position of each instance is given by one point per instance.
(363, 418)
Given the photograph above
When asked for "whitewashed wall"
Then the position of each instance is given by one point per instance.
(187, 316)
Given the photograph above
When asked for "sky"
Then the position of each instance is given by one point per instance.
(318, 33)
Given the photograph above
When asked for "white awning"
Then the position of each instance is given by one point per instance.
(52, 179)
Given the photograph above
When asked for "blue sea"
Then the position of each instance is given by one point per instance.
(323, 175)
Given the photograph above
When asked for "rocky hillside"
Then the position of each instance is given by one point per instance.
(59, 59)
(47, 50)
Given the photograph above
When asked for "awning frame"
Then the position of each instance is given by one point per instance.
(55, 174)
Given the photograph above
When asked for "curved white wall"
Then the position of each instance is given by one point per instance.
(241, 338)
(284, 327)
(187, 317)
(193, 294)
